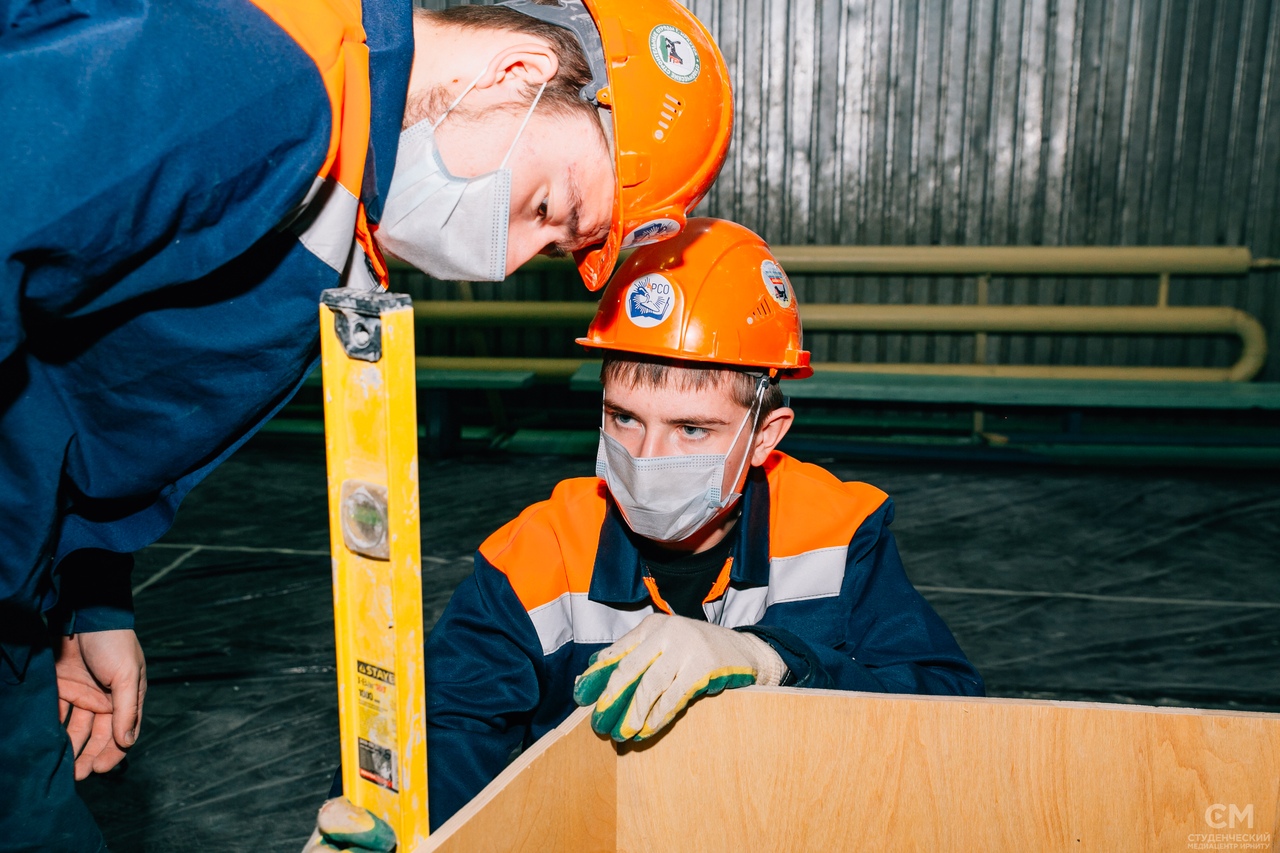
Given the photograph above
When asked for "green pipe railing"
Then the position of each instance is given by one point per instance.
(978, 319)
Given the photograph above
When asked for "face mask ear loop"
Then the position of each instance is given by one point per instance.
(458, 100)
(527, 116)
(754, 416)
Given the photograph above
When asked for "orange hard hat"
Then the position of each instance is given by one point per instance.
(665, 87)
(715, 293)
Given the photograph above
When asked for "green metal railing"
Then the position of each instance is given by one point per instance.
(978, 319)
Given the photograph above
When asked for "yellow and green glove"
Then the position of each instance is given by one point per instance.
(641, 682)
(342, 825)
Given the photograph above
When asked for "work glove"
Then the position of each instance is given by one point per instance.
(642, 681)
(342, 825)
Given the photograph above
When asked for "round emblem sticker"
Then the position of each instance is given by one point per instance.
(775, 281)
(651, 232)
(650, 300)
(674, 53)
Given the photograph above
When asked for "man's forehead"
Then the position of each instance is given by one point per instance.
(672, 394)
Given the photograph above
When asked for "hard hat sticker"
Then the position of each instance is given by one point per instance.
(775, 282)
(651, 232)
(650, 299)
(674, 53)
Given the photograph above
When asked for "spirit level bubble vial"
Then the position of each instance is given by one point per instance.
(371, 442)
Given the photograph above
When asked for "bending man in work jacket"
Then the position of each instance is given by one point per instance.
(699, 558)
(182, 180)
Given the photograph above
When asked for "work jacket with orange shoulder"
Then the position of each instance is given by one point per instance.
(814, 571)
(181, 181)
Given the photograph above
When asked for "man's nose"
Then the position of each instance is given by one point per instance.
(650, 445)
(524, 242)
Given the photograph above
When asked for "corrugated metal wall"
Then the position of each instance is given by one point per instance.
(1096, 122)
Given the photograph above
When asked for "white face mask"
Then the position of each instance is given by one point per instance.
(451, 228)
(669, 498)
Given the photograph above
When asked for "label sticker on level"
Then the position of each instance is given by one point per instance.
(674, 53)
(775, 283)
(650, 299)
(376, 725)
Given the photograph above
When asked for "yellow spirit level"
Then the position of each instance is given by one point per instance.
(371, 441)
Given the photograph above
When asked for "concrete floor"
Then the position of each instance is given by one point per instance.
(1155, 587)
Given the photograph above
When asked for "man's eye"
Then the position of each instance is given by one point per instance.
(692, 432)
(542, 209)
(621, 420)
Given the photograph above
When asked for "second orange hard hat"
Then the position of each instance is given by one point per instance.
(715, 294)
(663, 91)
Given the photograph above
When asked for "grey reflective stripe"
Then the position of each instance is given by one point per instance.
(574, 617)
(327, 226)
(358, 274)
(743, 606)
(813, 574)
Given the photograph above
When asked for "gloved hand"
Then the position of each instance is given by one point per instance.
(642, 681)
(342, 825)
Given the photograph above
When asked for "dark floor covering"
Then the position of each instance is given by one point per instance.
(1155, 587)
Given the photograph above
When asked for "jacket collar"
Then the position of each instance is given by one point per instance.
(388, 30)
(618, 577)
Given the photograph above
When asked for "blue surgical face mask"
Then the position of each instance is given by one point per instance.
(449, 227)
(669, 498)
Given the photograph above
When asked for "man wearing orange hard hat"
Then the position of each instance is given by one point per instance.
(191, 177)
(698, 558)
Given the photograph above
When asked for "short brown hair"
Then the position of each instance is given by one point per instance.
(642, 371)
(561, 95)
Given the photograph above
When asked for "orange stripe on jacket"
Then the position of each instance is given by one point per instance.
(812, 508)
(332, 34)
(550, 548)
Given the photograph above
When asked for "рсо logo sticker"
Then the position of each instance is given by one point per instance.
(674, 53)
(649, 300)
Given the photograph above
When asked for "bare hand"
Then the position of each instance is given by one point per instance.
(102, 679)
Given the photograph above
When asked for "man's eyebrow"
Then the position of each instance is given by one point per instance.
(695, 421)
(619, 410)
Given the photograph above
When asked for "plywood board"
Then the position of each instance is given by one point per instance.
(558, 796)
(771, 770)
(768, 769)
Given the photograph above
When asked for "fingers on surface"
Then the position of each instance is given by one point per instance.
(602, 665)
(588, 686)
(659, 680)
(346, 824)
(670, 703)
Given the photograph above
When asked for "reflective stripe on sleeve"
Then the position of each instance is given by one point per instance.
(327, 226)
(573, 617)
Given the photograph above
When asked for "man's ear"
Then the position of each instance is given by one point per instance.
(519, 67)
(772, 430)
